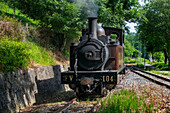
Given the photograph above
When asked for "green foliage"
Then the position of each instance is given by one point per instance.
(129, 49)
(61, 17)
(6, 10)
(113, 36)
(14, 55)
(159, 56)
(126, 60)
(115, 12)
(64, 19)
(67, 18)
(129, 60)
(154, 31)
(123, 101)
(140, 65)
(161, 65)
(67, 54)
(136, 53)
(16, 52)
(132, 45)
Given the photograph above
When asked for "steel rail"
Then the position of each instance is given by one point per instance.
(66, 106)
(156, 75)
(161, 80)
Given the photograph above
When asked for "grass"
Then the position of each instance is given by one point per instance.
(18, 55)
(124, 101)
(5, 9)
(146, 98)
(158, 72)
(40, 55)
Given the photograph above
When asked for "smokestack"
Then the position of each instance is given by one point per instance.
(93, 27)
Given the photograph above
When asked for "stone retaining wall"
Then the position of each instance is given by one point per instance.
(19, 89)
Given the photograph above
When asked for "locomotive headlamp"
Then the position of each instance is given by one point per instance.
(86, 81)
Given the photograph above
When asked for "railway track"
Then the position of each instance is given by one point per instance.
(158, 79)
(77, 106)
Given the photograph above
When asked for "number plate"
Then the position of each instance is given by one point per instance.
(109, 79)
(65, 79)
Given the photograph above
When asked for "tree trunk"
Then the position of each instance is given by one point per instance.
(169, 60)
(166, 56)
(14, 12)
(153, 57)
(64, 43)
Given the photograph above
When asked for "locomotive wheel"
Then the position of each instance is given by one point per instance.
(104, 91)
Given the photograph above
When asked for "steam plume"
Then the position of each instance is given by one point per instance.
(90, 7)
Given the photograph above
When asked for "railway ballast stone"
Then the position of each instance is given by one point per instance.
(19, 89)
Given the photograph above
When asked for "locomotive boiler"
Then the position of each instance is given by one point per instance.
(95, 62)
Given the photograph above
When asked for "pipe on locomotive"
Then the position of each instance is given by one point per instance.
(93, 27)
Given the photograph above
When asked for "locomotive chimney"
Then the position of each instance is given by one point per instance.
(93, 27)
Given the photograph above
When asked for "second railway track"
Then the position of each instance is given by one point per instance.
(161, 80)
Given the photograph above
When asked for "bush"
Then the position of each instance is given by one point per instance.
(130, 60)
(126, 60)
(13, 55)
(140, 65)
(161, 65)
(159, 56)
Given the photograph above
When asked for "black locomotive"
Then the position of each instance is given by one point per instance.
(95, 62)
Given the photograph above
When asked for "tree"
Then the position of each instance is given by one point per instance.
(114, 13)
(155, 31)
(66, 17)
(129, 49)
(132, 45)
(61, 17)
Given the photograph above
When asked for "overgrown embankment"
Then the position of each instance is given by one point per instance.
(22, 45)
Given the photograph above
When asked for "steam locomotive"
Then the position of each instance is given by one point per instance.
(95, 62)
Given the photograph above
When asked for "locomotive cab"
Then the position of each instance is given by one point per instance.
(96, 61)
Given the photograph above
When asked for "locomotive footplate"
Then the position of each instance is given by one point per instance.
(106, 76)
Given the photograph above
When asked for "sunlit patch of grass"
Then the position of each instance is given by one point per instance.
(124, 101)
(161, 73)
(19, 55)
(40, 55)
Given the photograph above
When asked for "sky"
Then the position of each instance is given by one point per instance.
(132, 25)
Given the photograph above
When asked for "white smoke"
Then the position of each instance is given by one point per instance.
(90, 7)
